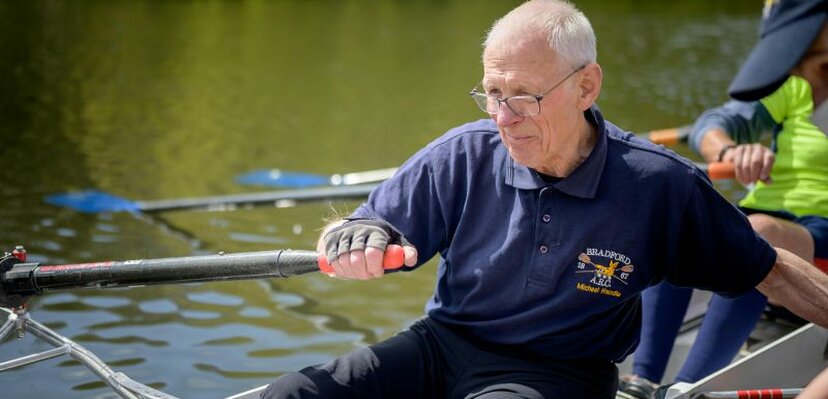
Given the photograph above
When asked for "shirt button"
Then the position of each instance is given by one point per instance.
(546, 218)
(544, 249)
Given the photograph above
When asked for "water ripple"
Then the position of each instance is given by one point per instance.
(158, 306)
(215, 298)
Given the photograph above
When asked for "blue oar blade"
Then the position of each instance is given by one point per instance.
(282, 178)
(92, 201)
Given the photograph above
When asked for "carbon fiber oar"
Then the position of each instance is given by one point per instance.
(20, 280)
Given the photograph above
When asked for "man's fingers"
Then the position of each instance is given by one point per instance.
(752, 162)
(767, 166)
(356, 247)
(373, 261)
(342, 267)
(410, 255)
(741, 165)
(344, 244)
(377, 239)
(358, 266)
(757, 157)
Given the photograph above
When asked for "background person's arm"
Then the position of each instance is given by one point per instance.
(730, 133)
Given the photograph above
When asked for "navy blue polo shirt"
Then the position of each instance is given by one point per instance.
(557, 268)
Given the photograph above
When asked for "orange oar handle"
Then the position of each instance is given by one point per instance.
(721, 170)
(669, 137)
(394, 258)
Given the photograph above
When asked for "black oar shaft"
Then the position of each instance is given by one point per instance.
(224, 202)
(29, 278)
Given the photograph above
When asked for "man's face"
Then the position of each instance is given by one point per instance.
(529, 67)
(814, 67)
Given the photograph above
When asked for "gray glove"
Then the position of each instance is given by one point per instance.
(358, 234)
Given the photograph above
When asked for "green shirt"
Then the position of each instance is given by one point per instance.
(800, 172)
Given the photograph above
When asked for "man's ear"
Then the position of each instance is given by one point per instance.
(589, 85)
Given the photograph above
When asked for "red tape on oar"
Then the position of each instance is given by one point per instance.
(761, 393)
(721, 170)
(775, 393)
(394, 258)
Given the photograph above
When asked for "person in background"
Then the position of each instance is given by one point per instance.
(787, 202)
(549, 221)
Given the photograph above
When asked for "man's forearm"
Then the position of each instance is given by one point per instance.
(817, 389)
(799, 286)
(713, 143)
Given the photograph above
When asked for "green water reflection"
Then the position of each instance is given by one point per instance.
(163, 99)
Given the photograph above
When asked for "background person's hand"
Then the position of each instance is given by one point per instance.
(753, 162)
(355, 248)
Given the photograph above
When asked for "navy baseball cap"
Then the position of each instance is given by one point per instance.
(789, 27)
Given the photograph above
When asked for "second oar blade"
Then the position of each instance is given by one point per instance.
(282, 178)
(93, 201)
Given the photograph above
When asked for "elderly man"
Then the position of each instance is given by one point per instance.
(549, 222)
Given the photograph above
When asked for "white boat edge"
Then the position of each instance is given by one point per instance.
(789, 362)
(251, 394)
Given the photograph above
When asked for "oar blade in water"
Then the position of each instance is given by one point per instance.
(92, 201)
(282, 178)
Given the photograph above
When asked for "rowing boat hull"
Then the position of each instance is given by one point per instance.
(789, 362)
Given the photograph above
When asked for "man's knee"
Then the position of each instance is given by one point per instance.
(349, 376)
(784, 234)
(291, 386)
(767, 226)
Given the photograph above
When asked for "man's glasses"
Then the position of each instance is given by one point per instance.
(526, 105)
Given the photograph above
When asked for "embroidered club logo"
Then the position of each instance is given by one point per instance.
(606, 268)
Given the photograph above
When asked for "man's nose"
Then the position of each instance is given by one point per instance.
(505, 116)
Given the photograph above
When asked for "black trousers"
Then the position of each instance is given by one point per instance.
(431, 360)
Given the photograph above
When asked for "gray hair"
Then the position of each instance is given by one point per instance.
(568, 31)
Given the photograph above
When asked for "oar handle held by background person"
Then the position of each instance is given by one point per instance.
(719, 170)
(21, 279)
(670, 136)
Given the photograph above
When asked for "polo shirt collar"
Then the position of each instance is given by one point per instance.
(582, 182)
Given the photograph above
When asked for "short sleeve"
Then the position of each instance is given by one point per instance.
(777, 102)
(409, 202)
(718, 249)
(781, 102)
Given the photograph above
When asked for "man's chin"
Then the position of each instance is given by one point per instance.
(521, 157)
